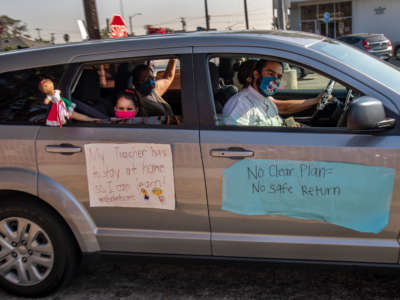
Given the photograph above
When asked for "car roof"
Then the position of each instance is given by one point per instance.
(66, 53)
(361, 35)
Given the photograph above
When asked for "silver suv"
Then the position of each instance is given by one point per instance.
(326, 191)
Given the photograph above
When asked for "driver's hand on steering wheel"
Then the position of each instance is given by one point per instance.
(319, 97)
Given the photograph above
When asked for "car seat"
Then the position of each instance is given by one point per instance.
(88, 91)
(222, 93)
(123, 78)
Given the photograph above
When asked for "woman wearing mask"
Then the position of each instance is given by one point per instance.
(127, 105)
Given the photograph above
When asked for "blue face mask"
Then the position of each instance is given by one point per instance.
(269, 86)
(147, 87)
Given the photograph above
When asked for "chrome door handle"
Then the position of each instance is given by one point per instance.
(231, 152)
(63, 149)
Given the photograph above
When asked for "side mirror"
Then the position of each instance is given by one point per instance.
(368, 113)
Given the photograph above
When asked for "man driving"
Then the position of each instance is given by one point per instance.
(255, 106)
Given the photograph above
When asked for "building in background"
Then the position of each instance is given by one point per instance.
(346, 17)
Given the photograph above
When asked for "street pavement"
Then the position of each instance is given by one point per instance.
(155, 278)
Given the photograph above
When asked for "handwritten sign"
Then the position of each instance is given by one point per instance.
(130, 175)
(350, 195)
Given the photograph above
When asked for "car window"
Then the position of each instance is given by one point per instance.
(367, 64)
(303, 79)
(100, 86)
(238, 102)
(350, 40)
(21, 102)
(376, 38)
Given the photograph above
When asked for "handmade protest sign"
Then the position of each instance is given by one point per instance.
(130, 175)
(350, 195)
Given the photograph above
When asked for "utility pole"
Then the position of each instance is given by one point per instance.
(52, 39)
(121, 6)
(130, 25)
(207, 16)
(92, 20)
(38, 32)
(281, 15)
(130, 22)
(183, 21)
(246, 15)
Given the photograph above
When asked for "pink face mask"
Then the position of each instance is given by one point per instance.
(122, 114)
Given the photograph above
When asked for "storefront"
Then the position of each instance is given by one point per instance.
(346, 17)
(331, 19)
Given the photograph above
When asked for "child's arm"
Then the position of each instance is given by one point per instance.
(82, 117)
(47, 100)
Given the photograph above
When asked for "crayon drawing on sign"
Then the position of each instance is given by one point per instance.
(130, 175)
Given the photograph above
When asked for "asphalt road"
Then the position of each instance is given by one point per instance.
(154, 278)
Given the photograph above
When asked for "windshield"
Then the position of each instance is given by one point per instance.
(367, 64)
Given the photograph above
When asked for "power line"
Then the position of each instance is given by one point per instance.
(174, 21)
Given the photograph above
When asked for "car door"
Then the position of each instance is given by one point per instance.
(183, 230)
(286, 236)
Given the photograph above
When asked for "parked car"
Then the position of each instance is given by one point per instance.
(374, 43)
(325, 192)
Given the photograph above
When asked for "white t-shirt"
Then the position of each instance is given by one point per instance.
(250, 108)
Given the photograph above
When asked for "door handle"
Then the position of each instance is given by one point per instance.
(232, 152)
(66, 149)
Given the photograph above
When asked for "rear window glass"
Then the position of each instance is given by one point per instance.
(376, 38)
(20, 100)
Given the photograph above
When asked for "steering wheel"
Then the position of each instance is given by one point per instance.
(325, 96)
(342, 119)
(324, 99)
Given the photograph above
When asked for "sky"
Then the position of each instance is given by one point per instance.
(60, 16)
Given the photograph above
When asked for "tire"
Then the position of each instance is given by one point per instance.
(37, 250)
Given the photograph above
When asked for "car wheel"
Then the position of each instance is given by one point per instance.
(37, 251)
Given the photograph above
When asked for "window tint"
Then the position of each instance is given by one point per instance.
(376, 38)
(300, 78)
(100, 85)
(350, 40)
(367, 64)
(20, 100)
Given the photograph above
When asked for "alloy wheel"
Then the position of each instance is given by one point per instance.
(26, 252)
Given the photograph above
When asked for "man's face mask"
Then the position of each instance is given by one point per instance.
(269, 86)
(125, 114)
(147, 86)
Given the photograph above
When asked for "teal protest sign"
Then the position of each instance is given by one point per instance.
(350, 195)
